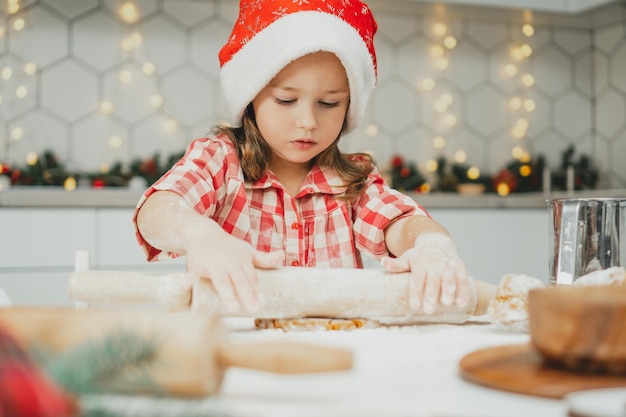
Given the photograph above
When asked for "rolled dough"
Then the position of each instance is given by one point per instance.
(315, 324)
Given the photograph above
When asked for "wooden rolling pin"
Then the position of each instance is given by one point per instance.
(290, 292)
(194, 350)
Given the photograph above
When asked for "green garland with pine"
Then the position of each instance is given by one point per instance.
(48, 171)
(518, 176)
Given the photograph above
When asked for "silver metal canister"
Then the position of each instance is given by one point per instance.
(585, 235)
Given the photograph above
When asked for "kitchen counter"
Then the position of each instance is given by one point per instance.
(32, 196)
(399, 371)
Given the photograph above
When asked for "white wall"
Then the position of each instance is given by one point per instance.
(579, 89)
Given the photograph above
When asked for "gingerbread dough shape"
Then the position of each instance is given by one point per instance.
(307, 324)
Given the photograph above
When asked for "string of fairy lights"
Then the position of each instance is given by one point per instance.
(129, 14)
(133, 39)
(521, 104)
(15, 78)
(440, 50)
(439, 53)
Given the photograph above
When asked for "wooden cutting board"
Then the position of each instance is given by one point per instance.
(521, 369)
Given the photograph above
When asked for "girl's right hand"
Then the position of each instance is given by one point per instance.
(169, 223)
(230, 264)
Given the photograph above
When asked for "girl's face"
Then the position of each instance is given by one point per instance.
(301, 111)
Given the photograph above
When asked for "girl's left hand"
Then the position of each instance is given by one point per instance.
(437, 272)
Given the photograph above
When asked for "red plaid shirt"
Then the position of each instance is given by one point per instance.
(313, 228)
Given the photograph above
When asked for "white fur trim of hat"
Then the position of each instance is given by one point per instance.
(251, 59)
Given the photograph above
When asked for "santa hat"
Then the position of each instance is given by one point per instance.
(269, 34)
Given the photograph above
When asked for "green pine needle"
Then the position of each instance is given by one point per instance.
(117, 361)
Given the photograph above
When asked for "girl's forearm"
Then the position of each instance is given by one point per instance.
(402, 234)
(169, 223)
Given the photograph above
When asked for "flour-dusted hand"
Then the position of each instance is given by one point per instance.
(230, 264)
(167, 221)
(438, 275)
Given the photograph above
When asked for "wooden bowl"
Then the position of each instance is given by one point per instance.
(582, 328)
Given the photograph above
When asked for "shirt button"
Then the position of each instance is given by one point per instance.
(295, 263)
(295, 226)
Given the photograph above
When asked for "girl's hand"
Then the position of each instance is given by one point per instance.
(169, 223)
(437, 272)
(230, 264)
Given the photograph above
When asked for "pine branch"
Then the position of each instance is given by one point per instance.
(116, 361)
(97, 370)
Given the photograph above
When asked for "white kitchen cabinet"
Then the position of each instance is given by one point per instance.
(495, 242)
(117, 247)
(492, 242)
(116, 239)
(38, 245)
(31, 288)
(44, 237)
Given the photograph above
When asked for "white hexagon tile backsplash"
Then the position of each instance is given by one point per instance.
(99, 82)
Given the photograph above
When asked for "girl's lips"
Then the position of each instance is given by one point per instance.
(304, 144)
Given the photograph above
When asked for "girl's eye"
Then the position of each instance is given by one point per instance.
(331, 104)
(283, 102)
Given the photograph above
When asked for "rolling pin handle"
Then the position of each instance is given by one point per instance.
(285, 357)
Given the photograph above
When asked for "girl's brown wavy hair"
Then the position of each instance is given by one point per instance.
(255, 155)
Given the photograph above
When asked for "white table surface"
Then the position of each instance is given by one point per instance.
(398, 371)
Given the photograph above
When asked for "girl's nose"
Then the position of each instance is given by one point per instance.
(306, 119)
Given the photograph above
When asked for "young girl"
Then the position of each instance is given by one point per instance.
(272, 188)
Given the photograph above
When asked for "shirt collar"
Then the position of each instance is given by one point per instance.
(319, 180)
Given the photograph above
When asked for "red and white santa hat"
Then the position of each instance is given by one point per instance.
(269, 34)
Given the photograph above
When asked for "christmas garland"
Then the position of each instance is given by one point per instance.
(515, 177)
(46, 170)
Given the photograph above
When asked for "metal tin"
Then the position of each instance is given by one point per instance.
(585, 235)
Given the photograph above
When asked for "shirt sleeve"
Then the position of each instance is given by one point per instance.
(376, 208)
(199, 177)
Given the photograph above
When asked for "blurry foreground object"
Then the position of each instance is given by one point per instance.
(580, 327)
(132, 351)
(26, 391)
